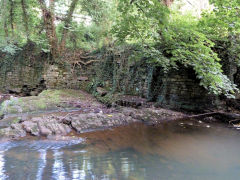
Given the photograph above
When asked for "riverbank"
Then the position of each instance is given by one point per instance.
(58, 113)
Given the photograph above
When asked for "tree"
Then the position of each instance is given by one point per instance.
(222, 26)
(49, 23)
(4, 16)
(167, 39)
(67, 22)
(168, 2)
(25, 18)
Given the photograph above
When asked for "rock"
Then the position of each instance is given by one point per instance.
(36, 119)
(90, 116)
(15, 90)
(31, 127)
(51, 126)
(15, 131)
(34, 93)
(82, 78)
(92, 121)
(54, 100)
(45, 131)
(131, 101)
(101, 91)
(23, 118)
(1, 116)
(45, 126)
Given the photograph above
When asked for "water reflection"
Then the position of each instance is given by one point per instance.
(58, 166)
(2, 163)
(177, 150)
(42, 163)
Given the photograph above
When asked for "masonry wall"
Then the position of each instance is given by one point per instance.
(180, 89)
(65, 76)
(29, 73)
(22, 73)
(176, 89)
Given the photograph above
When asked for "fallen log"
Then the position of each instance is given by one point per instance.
(235, 121)
(202, 115)
(221, 116)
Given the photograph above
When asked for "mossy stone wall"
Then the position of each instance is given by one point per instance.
(177, 88)
(21, 71)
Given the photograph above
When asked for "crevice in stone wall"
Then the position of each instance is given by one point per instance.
(27, 90)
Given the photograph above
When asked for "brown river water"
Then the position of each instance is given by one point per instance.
(177, 150)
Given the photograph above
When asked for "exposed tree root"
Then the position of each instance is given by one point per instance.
(79, 62)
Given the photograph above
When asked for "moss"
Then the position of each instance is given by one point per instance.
(17, 65)
(1, 132)
(57, 95)
(51, 95)
(120, 72)
(108, 100)
(10, 106)
(84, 86)
(14, 120)
(47, 100)
(41, 104)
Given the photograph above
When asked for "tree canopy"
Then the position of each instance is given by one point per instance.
(163, 33)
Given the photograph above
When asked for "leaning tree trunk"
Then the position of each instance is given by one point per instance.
(67, 22)
(49, 18)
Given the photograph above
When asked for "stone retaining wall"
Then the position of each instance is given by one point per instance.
(176, 89)
(22, 73)
(181, 90)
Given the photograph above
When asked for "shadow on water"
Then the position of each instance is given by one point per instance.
(174, 150)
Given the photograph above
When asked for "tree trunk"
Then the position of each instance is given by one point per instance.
(168, 2)
(49, 18)
(5, 29)
(12, 16)
(3, 16)
(67, 22)
(25, 17)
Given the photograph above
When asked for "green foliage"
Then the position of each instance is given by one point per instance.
(222, 26)
(227, 14)
(96, 9)
(88, 30)
(140, 21)
(18, 34)
(161, 36)
(185, 44)
(9, 49)
(92, 86)
(84, 37)
(108, 99)
(168, 43)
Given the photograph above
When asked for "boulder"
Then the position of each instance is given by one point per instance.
(101, 91)
(15, 131)
(31, 127)
(15, 90)
(82, 78)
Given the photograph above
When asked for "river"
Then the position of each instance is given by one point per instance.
(178, 150)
